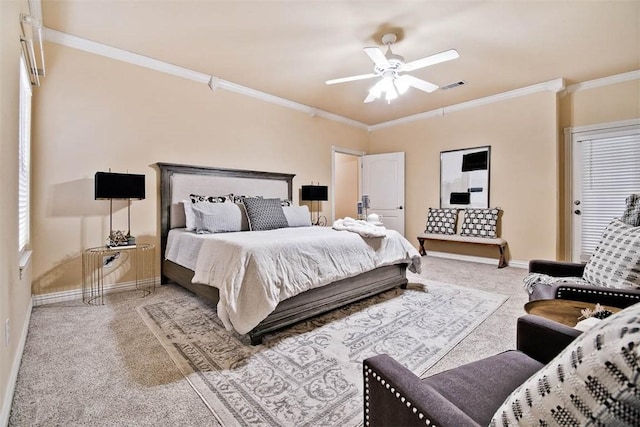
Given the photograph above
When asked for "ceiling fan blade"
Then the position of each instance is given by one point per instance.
(350, 79)
(377, 56)
(370, 98)
(418, 83)
(447, 55)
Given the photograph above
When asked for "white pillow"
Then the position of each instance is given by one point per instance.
(615, 261)
(217, 217)
(297, 216)
(189, 216)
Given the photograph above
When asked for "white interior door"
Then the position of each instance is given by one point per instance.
(383, 182)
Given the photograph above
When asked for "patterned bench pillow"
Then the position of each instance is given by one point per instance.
(442, 221)
(480, 222)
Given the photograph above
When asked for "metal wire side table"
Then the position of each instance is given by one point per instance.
(107, 265)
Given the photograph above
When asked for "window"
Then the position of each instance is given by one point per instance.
(24, 156)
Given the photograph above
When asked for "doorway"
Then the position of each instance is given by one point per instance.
(346, 182)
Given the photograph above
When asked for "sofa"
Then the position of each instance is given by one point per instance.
(557, 376)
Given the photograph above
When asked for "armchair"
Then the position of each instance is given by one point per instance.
(593, 380)
(561, 290)
(465, 396)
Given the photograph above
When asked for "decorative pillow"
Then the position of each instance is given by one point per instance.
(190, 219)
(217, 217)
(197, 198)
(615, 262)
(297, 216)
(631, 213)
(480, 222)
(442, 221)
(265, 214)
(594, 381)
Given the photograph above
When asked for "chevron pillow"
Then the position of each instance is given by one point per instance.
(594, 381)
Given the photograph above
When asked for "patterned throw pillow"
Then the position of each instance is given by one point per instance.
(631, 213)
(480, 222)
(197, 198)
(594, 381)
(442, 221)
(615, 262)
(265, 214)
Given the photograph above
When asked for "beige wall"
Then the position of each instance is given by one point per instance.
(610, 103)
(522, 133)
(15, 293)
(346, 179)
(95, 113)
(586, 107)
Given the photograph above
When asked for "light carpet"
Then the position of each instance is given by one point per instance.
(310, 373)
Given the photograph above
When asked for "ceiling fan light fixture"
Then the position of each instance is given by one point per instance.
(402, 85)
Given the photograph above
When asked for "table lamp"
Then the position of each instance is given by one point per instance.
(121, 186)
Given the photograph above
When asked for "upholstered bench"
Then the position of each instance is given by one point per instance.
(479, 228)
(489, 241)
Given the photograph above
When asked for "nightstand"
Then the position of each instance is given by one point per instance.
(108, 264)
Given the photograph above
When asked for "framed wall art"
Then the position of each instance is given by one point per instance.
(464, 178)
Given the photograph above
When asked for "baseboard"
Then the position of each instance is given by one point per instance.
(482, 260)
(15, 367)
(76, 294)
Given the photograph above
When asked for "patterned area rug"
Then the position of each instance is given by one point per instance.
(310, 374)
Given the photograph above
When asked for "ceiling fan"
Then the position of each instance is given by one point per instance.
(389, 66)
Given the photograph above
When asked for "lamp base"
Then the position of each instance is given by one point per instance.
(119, 238)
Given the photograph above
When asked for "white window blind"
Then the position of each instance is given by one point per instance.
(24, 156)
(610, 173)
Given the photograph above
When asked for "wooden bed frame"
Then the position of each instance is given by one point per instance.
(289, 311)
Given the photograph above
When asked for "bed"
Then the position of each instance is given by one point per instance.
(177, 182)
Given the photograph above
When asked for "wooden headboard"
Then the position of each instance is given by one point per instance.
(178, 181)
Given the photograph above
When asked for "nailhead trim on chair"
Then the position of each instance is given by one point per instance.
(368, 371)
(596, 292)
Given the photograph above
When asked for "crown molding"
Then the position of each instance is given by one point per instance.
(555, 85)
(605, 81)
(213, 82)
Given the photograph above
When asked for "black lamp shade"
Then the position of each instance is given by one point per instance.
(110, 185)
(315, 192)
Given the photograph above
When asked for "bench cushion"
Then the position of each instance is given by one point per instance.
(463, 239)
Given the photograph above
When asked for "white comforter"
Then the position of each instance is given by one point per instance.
(255, 270)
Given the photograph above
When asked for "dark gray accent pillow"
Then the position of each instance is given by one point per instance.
(264, 214)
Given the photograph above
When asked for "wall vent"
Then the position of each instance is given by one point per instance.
(452, 85)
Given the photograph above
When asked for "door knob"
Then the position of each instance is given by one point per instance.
(399, 207)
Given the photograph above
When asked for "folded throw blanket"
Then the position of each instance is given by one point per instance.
(363, 228)
(535, 279)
